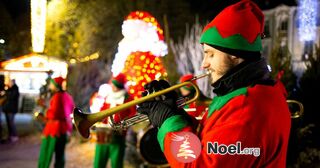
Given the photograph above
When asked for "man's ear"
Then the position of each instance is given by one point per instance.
(236, 60)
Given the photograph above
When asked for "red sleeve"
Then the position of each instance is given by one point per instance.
(228, 134)
(224, 132)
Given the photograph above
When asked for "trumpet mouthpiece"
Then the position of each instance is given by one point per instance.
(207, 73)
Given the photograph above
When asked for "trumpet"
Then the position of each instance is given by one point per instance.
(83, 121)
(298, 113)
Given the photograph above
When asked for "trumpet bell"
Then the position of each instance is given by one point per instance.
(81, 123)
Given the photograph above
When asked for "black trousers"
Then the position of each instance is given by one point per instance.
(0, 123)
(12, 131)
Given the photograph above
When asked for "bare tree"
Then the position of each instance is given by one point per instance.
(189, 55)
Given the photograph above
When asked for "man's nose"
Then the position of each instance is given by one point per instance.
(205, 64)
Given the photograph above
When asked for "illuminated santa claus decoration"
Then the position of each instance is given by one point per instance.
(139, 52)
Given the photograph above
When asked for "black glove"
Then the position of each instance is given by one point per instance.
(162, 107)
(155, 86)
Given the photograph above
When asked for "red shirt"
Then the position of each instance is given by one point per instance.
(58, 115)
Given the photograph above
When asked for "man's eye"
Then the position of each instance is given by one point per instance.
(209, 54)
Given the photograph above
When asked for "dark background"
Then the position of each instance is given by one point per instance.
(15, 20)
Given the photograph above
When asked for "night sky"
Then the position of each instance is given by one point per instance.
(18, 7)
(19, 14)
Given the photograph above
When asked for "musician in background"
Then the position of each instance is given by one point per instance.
(197, 108)
(114, 148)
(58, 125)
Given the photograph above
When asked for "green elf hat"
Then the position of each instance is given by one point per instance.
(119, 81)
(236, 30)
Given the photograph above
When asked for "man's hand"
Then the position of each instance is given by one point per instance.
(162, 107)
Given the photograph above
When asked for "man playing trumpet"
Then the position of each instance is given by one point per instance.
(250, 110)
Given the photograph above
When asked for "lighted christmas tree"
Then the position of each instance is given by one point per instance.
(139, 51)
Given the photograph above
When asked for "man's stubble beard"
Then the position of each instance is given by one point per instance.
(228, 66)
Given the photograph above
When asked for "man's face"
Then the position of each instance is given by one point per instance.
(52, 87)
(218, 62)
(10, 84)
(114, 88)
(184, 92)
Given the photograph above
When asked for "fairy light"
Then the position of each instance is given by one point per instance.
(307, 15)
(91, 57)
(38, 24)
(139, 73)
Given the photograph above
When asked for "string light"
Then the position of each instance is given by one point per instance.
(307, 15)
(91, 57)
(38, 24)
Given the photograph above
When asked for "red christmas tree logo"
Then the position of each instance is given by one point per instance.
(185, 147)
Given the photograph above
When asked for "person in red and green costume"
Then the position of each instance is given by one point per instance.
(250, 107)
(58, 125)
(115, 149)
(197, 108)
